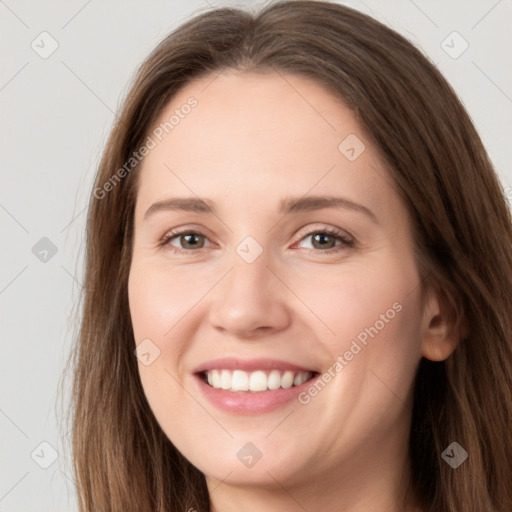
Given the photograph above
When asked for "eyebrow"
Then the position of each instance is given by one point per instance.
(287, 205)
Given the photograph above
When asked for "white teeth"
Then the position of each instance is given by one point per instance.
(274, 379)
(300, 378)
(287, 380)
(258, 381)
(225, 379)
(215, 379)
(239, 380)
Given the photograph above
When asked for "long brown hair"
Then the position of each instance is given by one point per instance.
(122, 459)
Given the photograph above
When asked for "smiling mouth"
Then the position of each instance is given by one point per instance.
(255, 381)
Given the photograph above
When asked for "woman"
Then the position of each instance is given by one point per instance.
(298, 280)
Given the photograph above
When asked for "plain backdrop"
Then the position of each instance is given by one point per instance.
(56, 111)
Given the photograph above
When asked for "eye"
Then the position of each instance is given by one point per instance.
(184, 241)
(328, 240)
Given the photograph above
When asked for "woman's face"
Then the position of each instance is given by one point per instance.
(272, 247)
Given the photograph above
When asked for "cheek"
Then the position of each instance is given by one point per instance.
(161, 307)
(371, 325)
(159, 300)
(372, 355)
(157, 308)
(356, 300)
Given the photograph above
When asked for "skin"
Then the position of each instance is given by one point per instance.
(252, 140)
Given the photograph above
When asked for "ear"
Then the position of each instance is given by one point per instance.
(442, 331)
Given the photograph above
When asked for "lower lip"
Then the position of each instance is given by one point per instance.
(247, 402)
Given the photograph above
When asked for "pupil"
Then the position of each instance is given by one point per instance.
(321, 238)
(189, 240)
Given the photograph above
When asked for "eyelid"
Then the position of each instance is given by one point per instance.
(324, 228)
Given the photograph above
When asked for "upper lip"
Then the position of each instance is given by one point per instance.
(231, 363)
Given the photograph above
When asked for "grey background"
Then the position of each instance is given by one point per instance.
(56, 113)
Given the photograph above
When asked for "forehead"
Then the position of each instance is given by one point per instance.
(275, 104)
(261, 134)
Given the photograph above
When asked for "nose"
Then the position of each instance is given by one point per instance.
(250, 302)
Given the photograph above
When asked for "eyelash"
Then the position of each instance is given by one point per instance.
(347, 241)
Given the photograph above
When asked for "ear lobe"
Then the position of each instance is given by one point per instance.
(441, 332)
